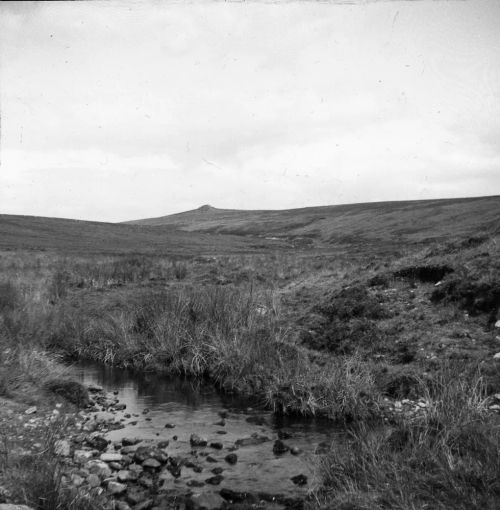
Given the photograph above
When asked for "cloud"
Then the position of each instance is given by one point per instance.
(112, 111)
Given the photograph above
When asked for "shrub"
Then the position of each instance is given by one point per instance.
(10, 297)
(425, 274)
(72, 391)
(445, 457)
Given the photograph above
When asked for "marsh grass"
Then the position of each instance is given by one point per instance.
(446, 457)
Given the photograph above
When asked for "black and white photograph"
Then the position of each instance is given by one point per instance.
(249, 255)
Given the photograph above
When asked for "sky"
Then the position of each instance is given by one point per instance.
(112, 111)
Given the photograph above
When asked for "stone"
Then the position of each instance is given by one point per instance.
(62, 447)
(280, 447)
(251, 441)
(9, 506)
(151, 464)
(121, 505)
(216, 445)
(135, 496)
(136, 468)
(120, 407)
(195, 483)
(235, 496)
(215, 480)
(116, 488)
(256, 420)
(82, 456)
(497, 356)
(99, 468)
(125, 475)
(111, 457)
(299, 479)
(98, 442)
(93, 480)
(144, 505)
(77, 480)
(231, 458)
(169, 425)
(130, 441)
(205, 501)
(295, 450)
(211, 459)
(95, 388)
(31, 410)
(196, 440)
(497, 324)
(217, 470)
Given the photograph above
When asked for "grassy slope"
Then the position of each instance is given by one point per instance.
(38, 233)
(409, 221)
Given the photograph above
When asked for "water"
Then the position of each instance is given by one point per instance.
(193, 406)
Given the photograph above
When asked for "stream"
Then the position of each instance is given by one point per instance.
(161, 408)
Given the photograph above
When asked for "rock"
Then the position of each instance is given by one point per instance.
(129, 441)
(196, 440)
(82, 456)
(116, 466)
(143, 453)
(231, 458)
(151, 464)
(77, 480)
(256, 420)
(497, 324)
(121, 505)
(215, 480)
(111, 457)
(116, 488)
(120, 407)
(95, 388)
(128, 449)
(251, 441)
(496, 356)
(169, 426)
(216, 445)
(98, 442)
(283, 434)
(125, 475)
(135, 496)
(235, 496)
(31, 410)
(62, 447)
(280, 447)
(204, 501)
(299, 479)
(99, 468)
(144, 505)
(93, 480)
(9, 506)
(195, 483)
(211, 459)
(295, 450)
(136, 468)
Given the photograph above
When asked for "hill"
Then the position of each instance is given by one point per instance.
(410, 221)
(39, 233)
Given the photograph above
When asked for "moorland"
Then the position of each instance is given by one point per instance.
(382, 317)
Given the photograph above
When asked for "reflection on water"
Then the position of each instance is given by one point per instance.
(194, 406)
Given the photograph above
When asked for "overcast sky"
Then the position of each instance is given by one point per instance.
(122, 110)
